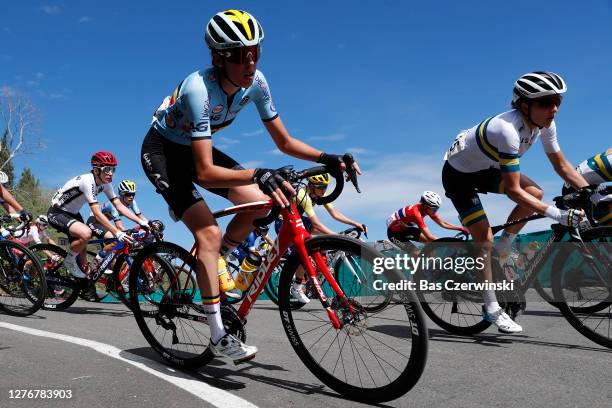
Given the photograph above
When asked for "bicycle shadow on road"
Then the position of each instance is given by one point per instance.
(217, 375)
(500, 340)
(98, 311)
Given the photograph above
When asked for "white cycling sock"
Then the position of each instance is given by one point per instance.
(490, 301)
(227, 246)
(213, 312)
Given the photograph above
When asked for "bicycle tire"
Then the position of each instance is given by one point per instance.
(17, 282)
(471, 315)
(415, 328)
(58, 279)
(573, 315)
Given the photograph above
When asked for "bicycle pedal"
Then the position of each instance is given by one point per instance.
(244, 360)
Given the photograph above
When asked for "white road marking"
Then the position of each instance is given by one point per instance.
(208, 393)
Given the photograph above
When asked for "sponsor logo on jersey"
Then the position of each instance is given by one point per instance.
(263, 87)
(196, 194)
(218, 109)
(244, 101)
(273, 108)
(215, 117)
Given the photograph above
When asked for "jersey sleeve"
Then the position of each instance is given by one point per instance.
(88, 186)
(263, 99)
(109, 191)
(195, 102)
(134, 207)
(508, 146)
(115, 216)
(549, 139)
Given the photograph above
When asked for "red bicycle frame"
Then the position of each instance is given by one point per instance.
(293, 233)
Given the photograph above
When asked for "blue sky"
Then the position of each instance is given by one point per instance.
(392, 81)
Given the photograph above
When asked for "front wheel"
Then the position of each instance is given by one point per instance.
(374, 356)
(22, 280)
(582, 284)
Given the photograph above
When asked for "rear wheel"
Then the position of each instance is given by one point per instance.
(62, 288)
(171, 319)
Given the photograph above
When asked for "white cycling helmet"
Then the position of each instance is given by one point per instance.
(3, 178)
(538, 84)
(42, 220)
(431, 199)
(231, 29)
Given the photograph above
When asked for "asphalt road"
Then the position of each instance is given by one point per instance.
(104, 361)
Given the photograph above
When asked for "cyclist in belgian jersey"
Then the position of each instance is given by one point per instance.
(597, 171)
(203, 103)
(407, 224)
(66, 203)
(10, 204)
(37, 232)
(486, 158)
(127, 196)
(305, 201)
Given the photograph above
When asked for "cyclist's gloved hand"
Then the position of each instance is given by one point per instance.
(465, 230)
(269, 180)
(122, 236)
(569, 218)
(333, 161)
(25, 216)
(144, 225)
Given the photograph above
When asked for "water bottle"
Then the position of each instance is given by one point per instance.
(248, 267)
(226, 283)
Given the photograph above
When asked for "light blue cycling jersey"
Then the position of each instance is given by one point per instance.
(109, 210)
(199, 107)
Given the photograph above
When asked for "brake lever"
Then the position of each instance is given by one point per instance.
(350, 170)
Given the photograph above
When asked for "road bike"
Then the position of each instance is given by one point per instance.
(65, 289)
(581, 273)
(370, 357)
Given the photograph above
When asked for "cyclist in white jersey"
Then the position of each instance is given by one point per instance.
(205, 102)
(37, 232)
(66, 203)
(597, 171)
(486, 158)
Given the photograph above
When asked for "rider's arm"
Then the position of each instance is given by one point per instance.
(119, 224)
(512, 181)
(288, 144)
(448, 225)
(212, 176)
(126, 212)
(319, 226)
(10, 203)
(338, 216)
(565, 170)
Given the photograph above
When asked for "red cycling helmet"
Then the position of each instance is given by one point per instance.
(100, 159)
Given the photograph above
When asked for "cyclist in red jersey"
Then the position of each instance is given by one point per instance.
(407, 224)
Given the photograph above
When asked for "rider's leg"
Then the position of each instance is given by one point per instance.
(519, 212)
(482, 234)
(207, 234)
(80, 234)
(242, 224)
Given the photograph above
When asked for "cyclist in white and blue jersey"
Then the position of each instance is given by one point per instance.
(486, 158)
(178, 153)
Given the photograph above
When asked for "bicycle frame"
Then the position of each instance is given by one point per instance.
(293, 233)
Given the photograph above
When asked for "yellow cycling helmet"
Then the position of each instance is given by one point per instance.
(127, 187)
(320, 179)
